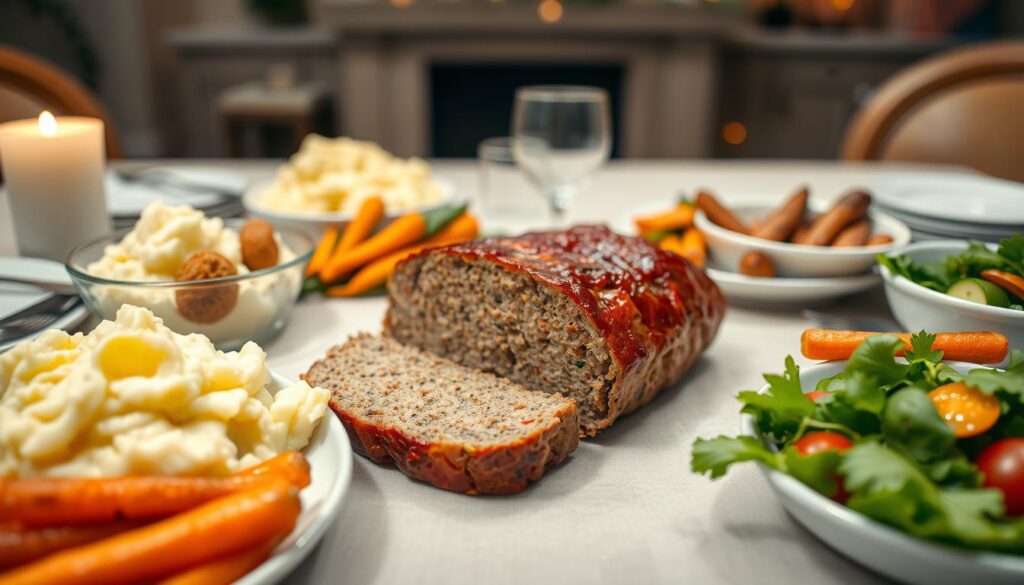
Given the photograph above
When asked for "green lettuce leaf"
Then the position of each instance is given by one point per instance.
(780, 410)
(715, 456)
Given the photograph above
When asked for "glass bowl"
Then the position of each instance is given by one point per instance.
(263, 299)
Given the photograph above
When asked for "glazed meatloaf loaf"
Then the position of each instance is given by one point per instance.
(606, 319)
(454, 427)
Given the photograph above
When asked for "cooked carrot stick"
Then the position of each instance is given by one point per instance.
(290, 465)
(405, 230)
(693, 248)
(718, 213)
(853, 235)
(879, 240)
(848, 209)
(679, 218)
(1012, 283)
(369, 215)
(211, 531)
(226, 570)
(18, 547)
(323, 251)
(377, 272)
(37, 502)
(782, 223)
(755, 263)
(982, 347)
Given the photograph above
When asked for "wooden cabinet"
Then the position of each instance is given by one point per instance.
(795, 94)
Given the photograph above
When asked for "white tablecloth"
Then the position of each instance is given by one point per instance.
(624, 508)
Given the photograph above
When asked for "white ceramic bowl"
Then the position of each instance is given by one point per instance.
(875, 545)
(916, 307)
(726, 247)
(314, 223)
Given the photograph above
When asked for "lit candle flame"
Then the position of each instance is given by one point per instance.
(47, 124)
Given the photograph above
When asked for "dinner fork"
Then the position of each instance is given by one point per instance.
(36, 317)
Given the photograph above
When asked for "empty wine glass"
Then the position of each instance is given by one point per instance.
(561, 137)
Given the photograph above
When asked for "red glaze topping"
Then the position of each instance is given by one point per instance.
(635, 293)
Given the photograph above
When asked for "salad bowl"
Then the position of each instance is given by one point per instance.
(872, 544)
(918, 307)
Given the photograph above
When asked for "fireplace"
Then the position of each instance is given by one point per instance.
(460, 119)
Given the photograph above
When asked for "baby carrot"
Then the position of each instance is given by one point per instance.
(376, 273)
(226, 570)
(676, 219)
(405, 230)
(692, 247)
(37, 502)
(290, 465)
(1011, 283)
(369, 215)
(323, 251)
(18, 547)
(982, 347)
(211, 531)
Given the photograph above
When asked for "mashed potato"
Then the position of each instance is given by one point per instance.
(135, 398)
(336, 175)
(163, 238)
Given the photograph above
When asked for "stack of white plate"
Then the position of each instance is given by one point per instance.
(952, 206)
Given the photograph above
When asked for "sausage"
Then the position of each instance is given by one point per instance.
(718, 213)
(781, 224)
(847, 210)
(756, 263)
(855, 234)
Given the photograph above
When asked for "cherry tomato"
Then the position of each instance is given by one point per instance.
(1002, 463)
(821, 441)
(815, 395)
(968, 411)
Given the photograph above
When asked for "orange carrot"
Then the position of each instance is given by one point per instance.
(1011, 283)
(982, 347)
(323, 251)
(676, 219)
(214, 530)
(226, 570)
(376, 273)
(692, 247)
(369, 215)
(37, 502)
(402, 232)
(290, 465)
(18, 547)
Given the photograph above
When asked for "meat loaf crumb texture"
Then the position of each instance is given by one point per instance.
(607, 319)
(454, 427)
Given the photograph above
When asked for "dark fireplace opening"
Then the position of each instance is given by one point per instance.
(471, 102)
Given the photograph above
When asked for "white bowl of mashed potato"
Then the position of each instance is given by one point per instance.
(232, 281)
(327, 180)
(134, 398)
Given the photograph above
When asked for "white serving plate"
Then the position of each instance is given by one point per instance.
(330, 461)
(742, 289)
(916, 307)
(953, 197)
(726, 247)
(127, 199)
(875, 545)
(314, 223)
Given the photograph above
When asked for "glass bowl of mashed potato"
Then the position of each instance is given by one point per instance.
(232, 280)
(326, 181)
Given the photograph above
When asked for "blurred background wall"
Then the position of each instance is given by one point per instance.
(688, 78)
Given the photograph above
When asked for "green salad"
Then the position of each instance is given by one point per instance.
(911, 443)
(978, 274)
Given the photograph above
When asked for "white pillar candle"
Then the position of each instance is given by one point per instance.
(53, 170)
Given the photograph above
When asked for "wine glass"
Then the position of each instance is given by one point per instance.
(561, 137)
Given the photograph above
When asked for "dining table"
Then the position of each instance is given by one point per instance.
(625, 507)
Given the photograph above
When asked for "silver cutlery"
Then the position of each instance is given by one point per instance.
(36, 316)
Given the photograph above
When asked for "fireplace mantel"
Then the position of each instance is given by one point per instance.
(668, 54)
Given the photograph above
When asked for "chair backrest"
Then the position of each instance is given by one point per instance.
(965, 106)
(29, 85)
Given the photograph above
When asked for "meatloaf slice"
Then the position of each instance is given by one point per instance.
(607, 319)
(453, 427)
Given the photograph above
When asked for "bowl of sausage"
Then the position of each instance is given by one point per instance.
(799, 238)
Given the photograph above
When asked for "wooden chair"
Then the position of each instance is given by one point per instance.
(29, 85)
(965, 106)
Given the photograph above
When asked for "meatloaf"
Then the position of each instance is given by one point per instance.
(606, 319)
(453, 427)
